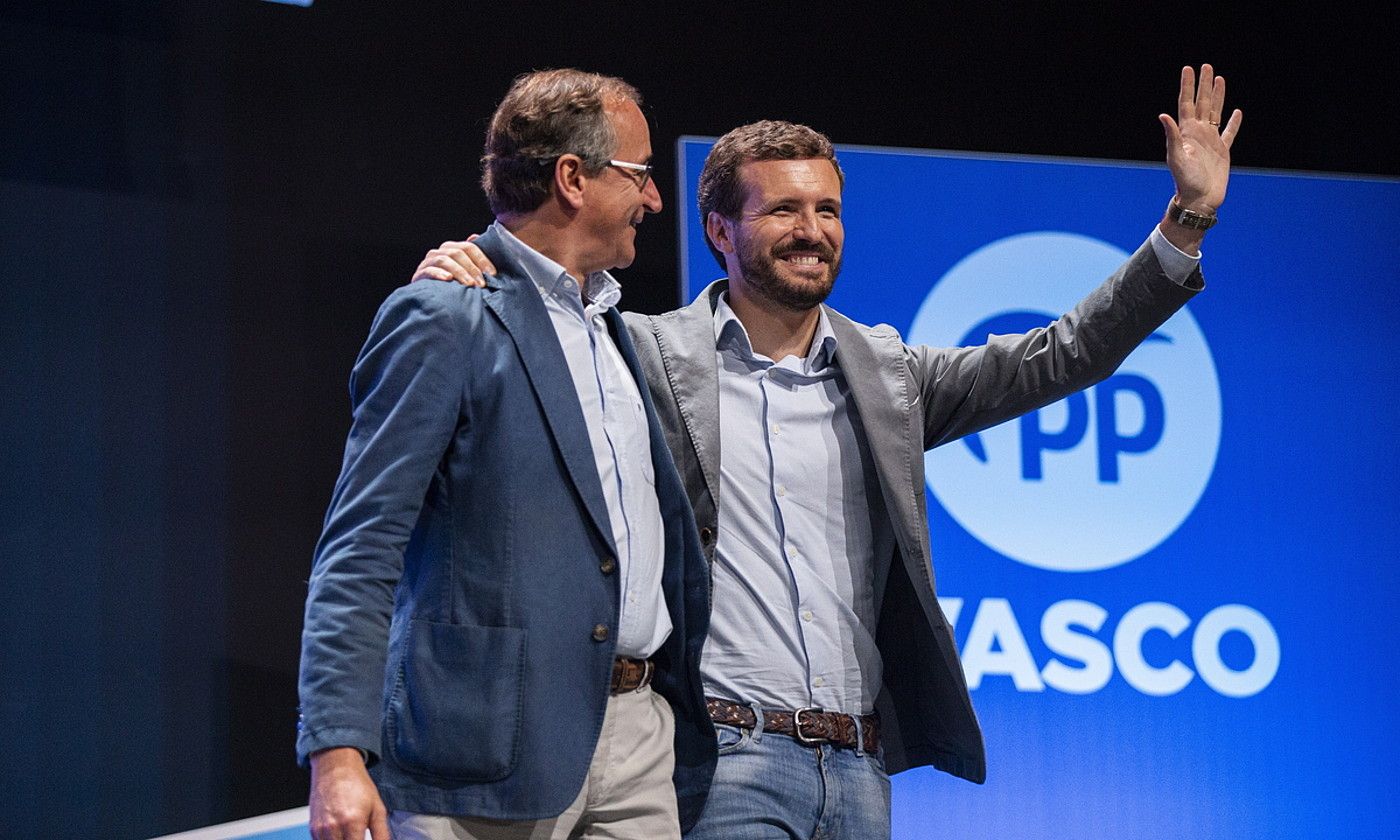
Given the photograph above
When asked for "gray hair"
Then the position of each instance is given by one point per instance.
(546, 114)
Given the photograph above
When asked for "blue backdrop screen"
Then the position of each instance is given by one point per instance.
(1174, 594)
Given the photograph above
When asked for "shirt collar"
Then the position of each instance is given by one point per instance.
(730, 334)
(600, 290)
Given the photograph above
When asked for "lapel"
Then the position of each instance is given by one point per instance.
(686, 338)
(660, 451)
(872, 361)
(618, 330)
(512, 296)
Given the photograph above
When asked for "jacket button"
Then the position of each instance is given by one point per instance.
(707, 535)
(600, 632)
(607, 567)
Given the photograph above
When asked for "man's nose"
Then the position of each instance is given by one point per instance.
(806, 226)
(651, 196)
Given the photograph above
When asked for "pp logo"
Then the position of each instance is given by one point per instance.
(1103, 476)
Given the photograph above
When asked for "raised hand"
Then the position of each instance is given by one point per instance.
(1198, 151)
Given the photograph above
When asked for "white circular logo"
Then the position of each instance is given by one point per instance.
(1100, 477)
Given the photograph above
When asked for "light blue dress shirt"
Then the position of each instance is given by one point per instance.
(617, 433)
(804, 545)
(1176, 264)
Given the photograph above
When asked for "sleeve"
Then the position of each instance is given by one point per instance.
(967, 389)
(406, 393)
(1176, 263)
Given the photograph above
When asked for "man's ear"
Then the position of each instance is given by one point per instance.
(569, 180)
(721, 231)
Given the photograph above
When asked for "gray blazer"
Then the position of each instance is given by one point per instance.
(911, 399)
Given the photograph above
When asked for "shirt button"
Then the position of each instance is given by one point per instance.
(600, 632)
(782, 489)
(776, 429)
(818, 682)
(792, 552)
(607, 566)
(806, 615)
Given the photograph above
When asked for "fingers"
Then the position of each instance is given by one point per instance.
(431, 272)
(1217, 100)
(438, 266)
(1169, 127)
(341, 819)
(1232, 128)
(1186, 95)
(461, 262)
(473, 253)
(1203, 101)
(454, 258)
(344, 827)
(1205, 94)
(378, 823)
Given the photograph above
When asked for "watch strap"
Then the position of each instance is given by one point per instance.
(1190, 218)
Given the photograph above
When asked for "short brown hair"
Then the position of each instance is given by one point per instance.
(546, 114)
(720, 190)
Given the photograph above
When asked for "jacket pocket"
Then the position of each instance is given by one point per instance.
(455, 709)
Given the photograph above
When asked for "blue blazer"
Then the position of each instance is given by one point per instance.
(459, 582)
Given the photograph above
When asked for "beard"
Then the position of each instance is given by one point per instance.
(760, 272)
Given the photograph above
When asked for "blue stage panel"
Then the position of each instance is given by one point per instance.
(1175, 594)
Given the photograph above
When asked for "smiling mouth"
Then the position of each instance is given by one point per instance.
(806, 262)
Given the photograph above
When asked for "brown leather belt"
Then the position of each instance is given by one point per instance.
(630, 674)
(810, 726)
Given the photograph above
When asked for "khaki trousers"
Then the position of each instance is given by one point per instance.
(627, 794)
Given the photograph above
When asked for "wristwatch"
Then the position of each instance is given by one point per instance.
(1189, 218)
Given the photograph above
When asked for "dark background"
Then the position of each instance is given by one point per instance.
(203, 203)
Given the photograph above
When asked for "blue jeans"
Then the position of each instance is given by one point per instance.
(770, 787)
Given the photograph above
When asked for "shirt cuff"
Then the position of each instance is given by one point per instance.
(1176, 264)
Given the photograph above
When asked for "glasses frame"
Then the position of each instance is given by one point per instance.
(644, 168)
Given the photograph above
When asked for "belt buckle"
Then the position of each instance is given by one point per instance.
(805, 740)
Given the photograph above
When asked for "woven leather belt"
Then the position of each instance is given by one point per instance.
(630, 674)
(810, 726)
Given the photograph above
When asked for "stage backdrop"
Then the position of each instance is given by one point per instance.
(1176, 593)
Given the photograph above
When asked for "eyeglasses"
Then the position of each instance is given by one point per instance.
(644, 168)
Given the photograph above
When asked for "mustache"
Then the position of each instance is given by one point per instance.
(821, 250)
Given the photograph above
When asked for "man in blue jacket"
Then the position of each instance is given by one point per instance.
(508, 599)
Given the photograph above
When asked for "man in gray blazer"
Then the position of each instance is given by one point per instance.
(799, 436)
